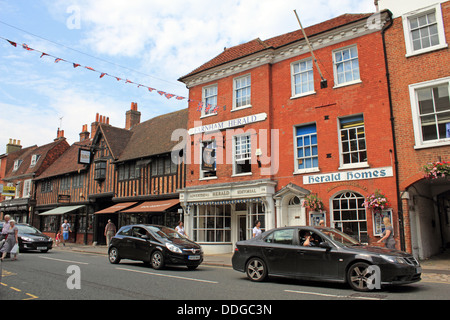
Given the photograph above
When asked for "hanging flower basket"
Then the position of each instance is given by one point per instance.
(376, 201)
(435, 170)
(313, 202)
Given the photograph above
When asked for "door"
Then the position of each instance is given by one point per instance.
(281, 252)
(311, 257)
(140, 246)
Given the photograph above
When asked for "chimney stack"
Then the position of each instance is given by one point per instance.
(94, 125)
(132, 116)
(84, 134)
(13, 146)
(59, 135)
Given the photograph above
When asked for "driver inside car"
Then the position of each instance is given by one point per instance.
(310, 240)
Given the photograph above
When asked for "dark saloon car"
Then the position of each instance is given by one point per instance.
(31, 238)
(155, 245)
(325, 254)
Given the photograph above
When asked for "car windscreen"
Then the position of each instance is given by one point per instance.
(164, 232)
(340, 237)
(27, 229)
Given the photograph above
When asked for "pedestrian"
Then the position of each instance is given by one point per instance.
(257, 229)
(180, 229)
(110, 231)
(322, 223)
(65, 228)
(388, 234)
(6, 227)
(58, 238)
(11, 240)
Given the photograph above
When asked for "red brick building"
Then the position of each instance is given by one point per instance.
(419, 74)
(271, 132)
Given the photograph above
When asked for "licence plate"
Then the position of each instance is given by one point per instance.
(194, 257)
(42, 248)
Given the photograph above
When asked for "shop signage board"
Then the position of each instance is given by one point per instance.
(351, 175)
(232, 123)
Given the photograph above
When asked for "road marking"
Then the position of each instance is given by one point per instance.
(332, 295)
(15, 289)
(69, 261)
(168, 276)
(32, 296)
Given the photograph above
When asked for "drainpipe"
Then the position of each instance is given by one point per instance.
(399, 198)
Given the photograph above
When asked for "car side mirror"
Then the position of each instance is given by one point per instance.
(325, 245)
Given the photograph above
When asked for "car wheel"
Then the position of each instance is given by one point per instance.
(256, 270)
(359, 277)
(114, 257)
(157, 260)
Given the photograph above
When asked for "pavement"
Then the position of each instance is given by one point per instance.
(434, 269)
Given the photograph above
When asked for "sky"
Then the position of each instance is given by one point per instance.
(148, 42)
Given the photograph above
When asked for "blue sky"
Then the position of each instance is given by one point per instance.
(151, 42)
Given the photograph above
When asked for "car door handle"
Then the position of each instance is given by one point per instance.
(268, 249)
(301, 252)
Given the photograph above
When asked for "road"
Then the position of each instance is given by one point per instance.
(63, 275)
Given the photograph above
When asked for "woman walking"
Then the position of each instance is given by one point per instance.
(388, 234)
(11, 240)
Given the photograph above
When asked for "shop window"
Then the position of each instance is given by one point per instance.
(349, 215)
(212, 223)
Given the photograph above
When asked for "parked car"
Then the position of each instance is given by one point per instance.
(31, 238)
(324, 254)
(156, 245)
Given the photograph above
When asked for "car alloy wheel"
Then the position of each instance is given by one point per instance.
(157, 260)
(359, 276)
(256, 270)
(114, 255)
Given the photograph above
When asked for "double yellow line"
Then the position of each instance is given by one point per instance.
(7, 273)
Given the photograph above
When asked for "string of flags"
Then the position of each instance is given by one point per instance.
(200, 104)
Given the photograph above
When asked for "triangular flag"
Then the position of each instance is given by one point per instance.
(12, 43)
(27, 47)
(102, 75)
(43, 54)
(180, 98)
(57, 60)
(76, 65)
(169, 95)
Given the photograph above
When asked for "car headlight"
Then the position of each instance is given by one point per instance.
(26, 239)
(393, 259)
(173, 248)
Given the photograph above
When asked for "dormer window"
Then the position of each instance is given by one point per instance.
(17, 164)
(34, 160)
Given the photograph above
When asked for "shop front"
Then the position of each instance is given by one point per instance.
(161, 212)
(17, 209)
(78, 217)
(217, 216)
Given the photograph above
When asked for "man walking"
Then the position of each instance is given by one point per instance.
(110, 231)
(65, 228)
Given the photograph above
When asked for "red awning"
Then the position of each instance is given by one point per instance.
(117, 207)
(154, 206)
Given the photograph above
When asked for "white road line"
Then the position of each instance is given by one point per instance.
(332, 295)
(168, 276)
(70, 261)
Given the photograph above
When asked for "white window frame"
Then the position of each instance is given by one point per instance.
(17, 164)
(419, 143)
(204, 101)
(293, 74)
(362, 164)
(296, 158)
(345, 83)
(240, 136)
(235, 89)
(407, 29)
(34, 160)
(26, 188)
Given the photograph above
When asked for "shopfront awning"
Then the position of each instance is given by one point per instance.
(60, 210)
(153, 206)
(116, 208)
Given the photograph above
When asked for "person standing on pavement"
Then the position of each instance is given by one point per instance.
(6, 227)
(257, 229)
(11, 240)
(65, 228)
(180, 229)
(110, 231)
(388, 234)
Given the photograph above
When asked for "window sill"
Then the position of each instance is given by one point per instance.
(303, 171)
(430, 49)
(208, 115)
(436, 144)
(208, 178)
(361, 165)
(303, 95)
(241, 108)
(345, 84)
(241, 174)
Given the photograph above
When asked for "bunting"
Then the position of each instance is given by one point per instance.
(75, 65)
